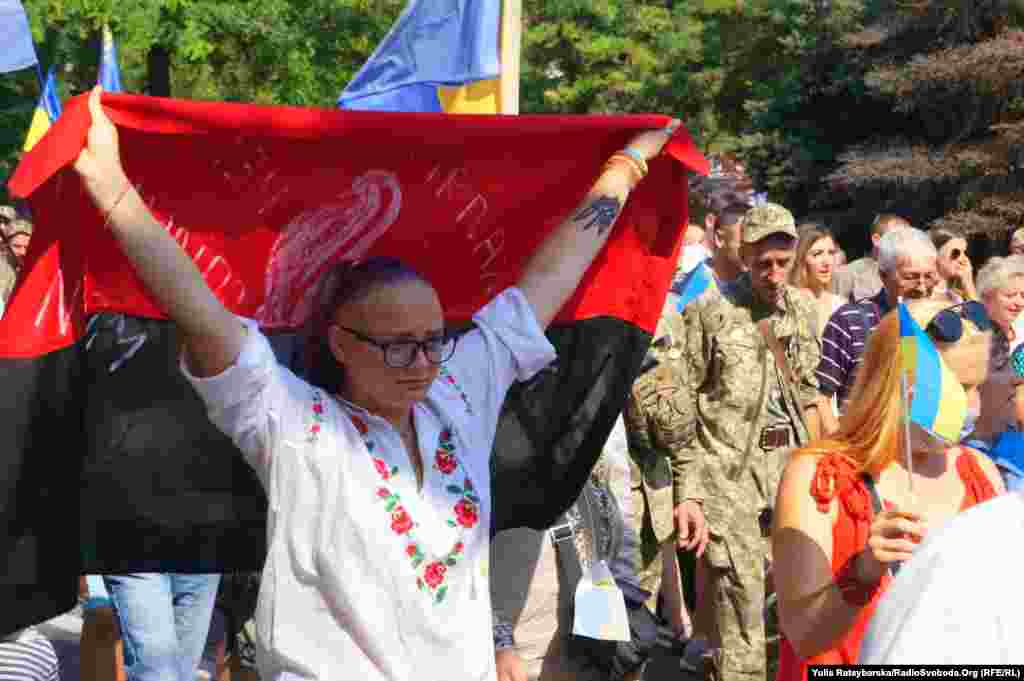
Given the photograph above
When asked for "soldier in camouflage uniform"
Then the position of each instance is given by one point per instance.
(748, 412)
(656, 416)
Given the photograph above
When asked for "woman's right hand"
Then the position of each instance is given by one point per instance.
(99, 163)
(510, 666)
(894, 536)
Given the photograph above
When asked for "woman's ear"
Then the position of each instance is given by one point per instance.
(334, 342)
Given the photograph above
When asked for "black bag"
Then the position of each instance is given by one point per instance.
(617, 659)
(613, 659)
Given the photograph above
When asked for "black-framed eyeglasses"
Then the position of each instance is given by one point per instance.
(948, 326)
(400, 354)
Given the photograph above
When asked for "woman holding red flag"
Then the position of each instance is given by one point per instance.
(845, 514)
(377, 471)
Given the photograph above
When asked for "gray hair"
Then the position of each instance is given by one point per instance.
(998, 272)
(903, 242)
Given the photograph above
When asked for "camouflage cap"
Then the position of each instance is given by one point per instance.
(766, 219)
(18, 226)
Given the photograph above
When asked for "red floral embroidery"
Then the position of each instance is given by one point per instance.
(448, 378)
(400, 521)
(445, 462)
(466, 513)
(434, 574)
(432, 578)
(318, 417)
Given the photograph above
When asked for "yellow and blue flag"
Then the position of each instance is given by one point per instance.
(47, 111)
(17, 51)
(441, 55)
(110, 73)
(938, 403)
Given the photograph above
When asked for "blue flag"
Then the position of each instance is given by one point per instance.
(434, 50)
(17, 51)
(110, 74)
(693, 284)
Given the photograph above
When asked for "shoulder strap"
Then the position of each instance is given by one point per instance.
(570, 570)
(876, 500)
(976, 482)
(876, 504)
(752, 433)
(789, 380)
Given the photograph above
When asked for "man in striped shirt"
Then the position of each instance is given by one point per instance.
(906, 264)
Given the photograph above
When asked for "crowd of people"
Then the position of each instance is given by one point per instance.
(762, 451)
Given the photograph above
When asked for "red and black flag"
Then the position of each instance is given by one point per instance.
(107, 462)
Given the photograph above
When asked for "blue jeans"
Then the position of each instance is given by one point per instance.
(165, 619)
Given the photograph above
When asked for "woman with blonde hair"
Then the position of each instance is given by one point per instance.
(813, 267)
(846, 512)
(1001, 290)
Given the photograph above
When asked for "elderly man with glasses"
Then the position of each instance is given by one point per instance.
(907, 267)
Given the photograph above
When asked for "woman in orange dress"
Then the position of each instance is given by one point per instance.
(833, 552)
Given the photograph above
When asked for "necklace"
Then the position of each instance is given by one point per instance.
(431, 569)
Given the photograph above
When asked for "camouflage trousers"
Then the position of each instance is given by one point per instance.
(648, 565)
(735, 567)
(735, 595)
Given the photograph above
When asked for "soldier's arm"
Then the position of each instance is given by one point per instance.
(686, 456)
(808, 359)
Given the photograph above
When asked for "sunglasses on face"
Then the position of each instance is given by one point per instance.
(948, 326)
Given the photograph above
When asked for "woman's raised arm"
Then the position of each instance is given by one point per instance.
(555, 270)
(213, 337)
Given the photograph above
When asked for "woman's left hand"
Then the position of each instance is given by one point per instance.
(650, 142)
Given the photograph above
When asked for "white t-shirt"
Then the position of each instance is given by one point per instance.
(365, 578)
(960, 599)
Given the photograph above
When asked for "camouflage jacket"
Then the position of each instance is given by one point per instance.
(724, 357)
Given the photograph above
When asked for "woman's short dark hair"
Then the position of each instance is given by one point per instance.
(345, 283)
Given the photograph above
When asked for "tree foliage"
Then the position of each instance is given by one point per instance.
(809, 92)
(918, 112)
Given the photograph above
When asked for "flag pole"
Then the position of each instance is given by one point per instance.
(905, 395)
(511, 44)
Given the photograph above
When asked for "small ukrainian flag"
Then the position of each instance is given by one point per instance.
(938, 403)
(47, 111)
